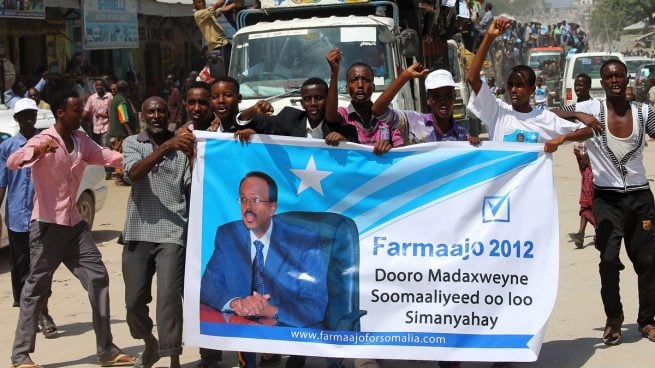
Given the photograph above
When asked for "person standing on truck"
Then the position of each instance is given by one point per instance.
(218, 46)
(370, 130)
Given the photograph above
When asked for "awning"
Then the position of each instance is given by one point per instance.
(162, 8)
(643, 37)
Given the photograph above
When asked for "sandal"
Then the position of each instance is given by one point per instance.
(119, 360)
(25, 365)
(648, 332)
(148, 358)
(577, 239)
(48, 327)
(612, 333)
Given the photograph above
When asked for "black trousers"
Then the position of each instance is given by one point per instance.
(629, 217)
(19, 256)
(141, 261)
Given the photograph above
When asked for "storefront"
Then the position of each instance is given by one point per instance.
(162, 38)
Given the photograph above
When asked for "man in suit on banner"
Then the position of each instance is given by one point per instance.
(263, 268)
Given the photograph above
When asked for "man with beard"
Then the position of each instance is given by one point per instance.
(156, 164)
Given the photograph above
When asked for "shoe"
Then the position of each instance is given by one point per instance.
(119, 360)
(648, 332)
(148, 358)
(296, 361)
(450, 364)
(208, 363)
(612, 332)
(577, 239)
(270, 360)
(48, 327)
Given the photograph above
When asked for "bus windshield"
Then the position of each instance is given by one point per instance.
(272, 63)
(590, 65)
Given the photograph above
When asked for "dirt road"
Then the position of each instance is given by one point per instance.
(572, 339)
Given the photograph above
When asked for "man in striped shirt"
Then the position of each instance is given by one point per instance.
(123, 122)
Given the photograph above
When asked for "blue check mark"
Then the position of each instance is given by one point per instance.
(495, 207)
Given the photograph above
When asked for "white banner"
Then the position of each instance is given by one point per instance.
(439, 251)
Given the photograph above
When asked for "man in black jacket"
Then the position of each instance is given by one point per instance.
(293, 122)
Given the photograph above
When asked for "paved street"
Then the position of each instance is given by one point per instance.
(572, 338)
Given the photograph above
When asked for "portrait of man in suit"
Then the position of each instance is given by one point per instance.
(265, 269)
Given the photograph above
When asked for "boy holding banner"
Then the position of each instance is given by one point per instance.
(510, 123)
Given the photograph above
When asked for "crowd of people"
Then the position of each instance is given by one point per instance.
(41, 171)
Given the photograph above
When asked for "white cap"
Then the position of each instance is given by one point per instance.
(439, 78)
(24, 104)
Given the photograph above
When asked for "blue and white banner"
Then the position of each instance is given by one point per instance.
(442, 251)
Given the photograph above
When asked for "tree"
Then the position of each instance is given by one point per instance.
(609, 17)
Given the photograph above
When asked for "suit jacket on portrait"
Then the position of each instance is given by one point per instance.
(295, 272)
(293, 123)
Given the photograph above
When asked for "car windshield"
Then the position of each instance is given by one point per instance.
(647, 71)
(272, 63)
(539, 60)
(590, 65)
(633, 65)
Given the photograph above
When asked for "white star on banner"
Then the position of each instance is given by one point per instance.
(310, 177)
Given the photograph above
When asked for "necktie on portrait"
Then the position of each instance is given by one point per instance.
(258, 268)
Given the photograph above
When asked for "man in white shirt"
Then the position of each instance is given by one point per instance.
(623, 204)
(518, 121)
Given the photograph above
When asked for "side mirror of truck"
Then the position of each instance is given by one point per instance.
(386, 37)
(409, 43)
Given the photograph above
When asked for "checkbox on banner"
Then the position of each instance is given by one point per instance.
(495, 209)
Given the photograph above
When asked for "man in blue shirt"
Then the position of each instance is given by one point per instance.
(20, 198)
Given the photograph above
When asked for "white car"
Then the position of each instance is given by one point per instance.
(93, 188)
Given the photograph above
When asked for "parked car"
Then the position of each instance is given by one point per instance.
(93, 188)
(644, 72)
(588, 63)
(633, 63)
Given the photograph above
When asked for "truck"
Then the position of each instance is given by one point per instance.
(276, 48)
(547, 63)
